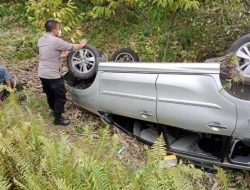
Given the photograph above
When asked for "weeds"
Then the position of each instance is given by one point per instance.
(16, 45)
(30, 159)
(193, 37)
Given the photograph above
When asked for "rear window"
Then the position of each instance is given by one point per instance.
(236, 89)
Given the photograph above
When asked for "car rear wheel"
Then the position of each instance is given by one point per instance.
(125, 55)
(241, 48)
(83, 63)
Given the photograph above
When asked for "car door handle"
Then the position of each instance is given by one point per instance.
(145, 114)
(216, 126)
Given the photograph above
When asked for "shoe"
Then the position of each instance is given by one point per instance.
(61, 121)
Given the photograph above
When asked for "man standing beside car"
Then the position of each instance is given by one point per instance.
(51, 47)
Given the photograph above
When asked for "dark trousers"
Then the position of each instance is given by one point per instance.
(56, 94)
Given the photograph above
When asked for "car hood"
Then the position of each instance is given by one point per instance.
(185, 68)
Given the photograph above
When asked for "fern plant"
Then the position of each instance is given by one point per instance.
(31, 159)
(223, 178)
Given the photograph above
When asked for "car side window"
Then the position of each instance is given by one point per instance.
(238, 90)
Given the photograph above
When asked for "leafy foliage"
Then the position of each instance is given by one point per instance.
(223, 178)
(156, 11)
(154, 29)
(64, 13)
(167, 10)
(8, 17)
(107, 8)
(229, 71)
(216, 25)
(16, 45)
(179, 4)
(30, 159)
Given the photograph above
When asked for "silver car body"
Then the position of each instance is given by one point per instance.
(184, 95)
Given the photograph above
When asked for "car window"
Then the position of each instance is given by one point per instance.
(238, 90)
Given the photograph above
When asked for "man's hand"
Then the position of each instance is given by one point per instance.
(82, 44)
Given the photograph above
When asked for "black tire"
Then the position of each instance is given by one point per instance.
(125, 55)
(76, 70)
(238, 43)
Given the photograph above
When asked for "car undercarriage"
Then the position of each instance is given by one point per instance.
(202, 147)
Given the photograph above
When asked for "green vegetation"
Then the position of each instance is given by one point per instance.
(184, 30)
(159, 30)
(30, 159)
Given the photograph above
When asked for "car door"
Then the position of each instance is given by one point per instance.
(129, 94)
(194, 102)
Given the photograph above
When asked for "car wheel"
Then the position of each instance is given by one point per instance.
(125, 55)
(83, 63)
(241, 48)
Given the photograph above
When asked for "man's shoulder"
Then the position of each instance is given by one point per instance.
(45, 41)
(60, 40)
(40, 40)
(51, 39)
(47, 37)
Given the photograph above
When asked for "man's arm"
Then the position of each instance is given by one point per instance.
(62, 45)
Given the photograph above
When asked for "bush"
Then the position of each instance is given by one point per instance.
(65, 13)
(217, 25)
(13, 14)
(193, 36)
(107, 8)
(16, 45)
(30, 159)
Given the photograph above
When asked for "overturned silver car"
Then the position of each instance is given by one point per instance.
(186, 102)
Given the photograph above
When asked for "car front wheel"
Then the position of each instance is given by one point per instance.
(83, 63)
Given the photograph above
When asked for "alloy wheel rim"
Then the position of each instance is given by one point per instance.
(124, 57)
(83, 61)
(243, 53)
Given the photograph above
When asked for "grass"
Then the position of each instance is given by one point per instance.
(16, 45)
(31, 159)
(19, 43)
(37, 104)
(132, 35)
